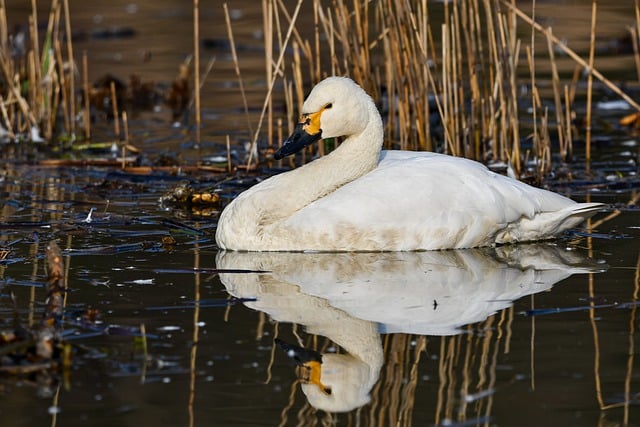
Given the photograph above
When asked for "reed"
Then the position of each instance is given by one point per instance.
(239, 75)
(635, 34)
(70, 92)
(115, 111)
(126, 144)
(592, 50)
(196, 73)
(87, 101)
(37, 86)
(452, 89)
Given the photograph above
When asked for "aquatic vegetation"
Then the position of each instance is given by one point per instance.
(461, 89)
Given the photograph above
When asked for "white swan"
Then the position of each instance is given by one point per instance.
(358, 198)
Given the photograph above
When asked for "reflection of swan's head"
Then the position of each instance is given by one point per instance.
(339, 382)
(348, 379)
(336, 382)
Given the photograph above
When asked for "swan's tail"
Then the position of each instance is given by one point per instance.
(585, 210)
(547, 225)
(554, 223)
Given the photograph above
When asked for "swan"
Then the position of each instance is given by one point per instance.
(362, 198)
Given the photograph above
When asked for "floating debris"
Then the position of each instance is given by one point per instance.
(25, 350)
(185, 195)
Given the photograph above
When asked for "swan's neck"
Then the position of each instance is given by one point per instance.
(356, 156)
(257, 213)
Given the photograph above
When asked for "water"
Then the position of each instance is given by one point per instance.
(531, 335)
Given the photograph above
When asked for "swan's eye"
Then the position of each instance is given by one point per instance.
(329, 105)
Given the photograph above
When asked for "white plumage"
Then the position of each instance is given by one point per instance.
(359, 198)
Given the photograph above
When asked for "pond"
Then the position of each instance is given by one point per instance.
(168, 330)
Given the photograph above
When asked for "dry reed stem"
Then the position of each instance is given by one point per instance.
(65, 101)
(290, 19)
(254, 141)
(557, 97)
(125, 128)
(535, 104)
(592, 51)
(228, 140)
(568, 130)
(72, 89)
(267, 16)
(87, 100)
(49, 70)
(196, 73)
(635, 38)
(203, 80)
(5, 116)
(35, 41)
(633, 33)
(115, 112)
(35, 71)
(4, 34)
(573, 55)
(237, 69)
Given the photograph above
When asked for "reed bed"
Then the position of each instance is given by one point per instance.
(38, 97)
(454, 88)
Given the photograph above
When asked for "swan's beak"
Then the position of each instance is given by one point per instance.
(307, 132)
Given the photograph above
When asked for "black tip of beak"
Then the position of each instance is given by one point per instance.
(296, 142)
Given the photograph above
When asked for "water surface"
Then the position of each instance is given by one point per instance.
(527, 335)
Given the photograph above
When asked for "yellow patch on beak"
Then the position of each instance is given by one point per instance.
(311, 121)
(310, 373)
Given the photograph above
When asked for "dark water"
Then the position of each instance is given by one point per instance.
(526, 335)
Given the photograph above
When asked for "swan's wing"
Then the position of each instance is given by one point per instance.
(422, 200)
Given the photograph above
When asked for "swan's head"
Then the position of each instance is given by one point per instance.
(336, 106)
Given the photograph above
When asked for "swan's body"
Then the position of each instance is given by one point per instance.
(359, 198)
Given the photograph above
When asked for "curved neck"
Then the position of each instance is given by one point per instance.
(253, 219)
(354, 157)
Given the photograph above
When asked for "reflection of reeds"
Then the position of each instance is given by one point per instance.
(628, 399)
(464, 371)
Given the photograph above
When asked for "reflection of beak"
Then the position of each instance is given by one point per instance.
(307, 132)
(310, 373)
(309, 369)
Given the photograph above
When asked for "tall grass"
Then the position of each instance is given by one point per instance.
(452, 88)
(37, 83)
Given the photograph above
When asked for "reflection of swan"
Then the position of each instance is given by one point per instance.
(352, 297)
(348, 376)
(357, 198)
